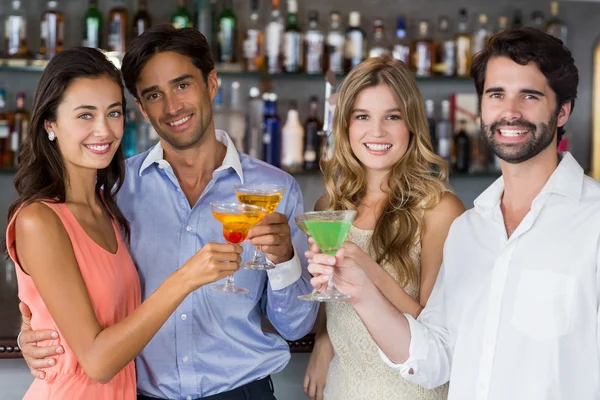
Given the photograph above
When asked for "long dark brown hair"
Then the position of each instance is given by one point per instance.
(41, 172)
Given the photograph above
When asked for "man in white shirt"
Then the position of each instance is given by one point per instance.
(514, 313)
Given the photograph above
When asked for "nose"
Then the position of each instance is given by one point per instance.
(103, 129)
(512, 110)
(172, 105)
(377, 128)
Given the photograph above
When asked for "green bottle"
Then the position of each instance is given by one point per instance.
(226, 39)
(92, 26)
(181, 18)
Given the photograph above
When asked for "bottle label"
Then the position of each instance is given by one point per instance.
(444, 147)
(14, 33)
(354, 48)
(14, 141)
(293, 51)
(44, 30)
(314, 54)
(251, 44)
(335, 51)
(115, 36)
(180, 22)
(226, 44)
(4, 129)
(401, 53)
(92, 28)
(423, 59)
(310, 156)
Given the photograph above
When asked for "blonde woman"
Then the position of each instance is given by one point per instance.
(382, 166)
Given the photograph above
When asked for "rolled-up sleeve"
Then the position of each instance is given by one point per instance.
(431, 345)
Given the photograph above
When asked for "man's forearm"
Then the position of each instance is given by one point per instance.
(388, 327)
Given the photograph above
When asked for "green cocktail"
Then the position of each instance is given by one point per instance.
(329, 235)
(329, 230)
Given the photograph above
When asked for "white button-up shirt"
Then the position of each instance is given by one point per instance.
(517, 318)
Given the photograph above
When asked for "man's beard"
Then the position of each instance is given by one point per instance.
(539, 138)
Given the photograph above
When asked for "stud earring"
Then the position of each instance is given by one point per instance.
(51, 136)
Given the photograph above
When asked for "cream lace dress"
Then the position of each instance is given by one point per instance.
(356, 371)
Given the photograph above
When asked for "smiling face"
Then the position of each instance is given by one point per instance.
(174, 97)
(378, 134)
(519, 113)
(89, 123)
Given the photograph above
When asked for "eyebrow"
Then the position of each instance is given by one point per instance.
(172, 81)
(93, 108)
(523, 91)
(387, 111)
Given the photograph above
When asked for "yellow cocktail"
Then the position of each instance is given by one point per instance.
(264, 195)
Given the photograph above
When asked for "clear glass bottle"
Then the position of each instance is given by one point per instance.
(314, 45)
(254, 42)
(52, 30)
(117, 27)
(423, 51)
(274, 40)
(335, 51)
(292, 40)
(380, 46)
(401, 49)
(15, 32)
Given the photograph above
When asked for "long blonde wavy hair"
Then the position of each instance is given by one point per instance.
(415, 183)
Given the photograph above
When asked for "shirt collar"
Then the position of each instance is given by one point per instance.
(231, 160)
(566, 180)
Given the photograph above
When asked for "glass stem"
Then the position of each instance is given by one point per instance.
(230, 282)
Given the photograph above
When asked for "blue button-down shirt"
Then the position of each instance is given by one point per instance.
(214, 341)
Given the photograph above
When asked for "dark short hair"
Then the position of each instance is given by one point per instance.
(161, 38)
(524, 45)
(41, 172)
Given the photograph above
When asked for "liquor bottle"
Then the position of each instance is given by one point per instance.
(462, 143)
(314, 45)
(253, 138)
(502, 23)
(313, 141)
(205, 15)
(15, 32)
(423, 51)
(292, 40)
(181, 18)
(141, 19)
(401, 49)
(463, 45)
(380, 45)
(517, 20)
(555, 26)
(274, 40)
(6, 153)
(481, 35)
(218, 108)
(130, 135)
(431, 122)
(292, 141)
(254, 42)
(272, 131)
(92, 26)
(52, 30)
(334, 58)
(20, 127)
(356, 43)
(117, 27)
(446, 49)
(226, 38)
(537, 20)
(444, 133)
(236, 120)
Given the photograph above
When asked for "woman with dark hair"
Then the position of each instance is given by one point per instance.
(64, 234)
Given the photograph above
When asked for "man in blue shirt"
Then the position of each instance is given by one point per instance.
(213, 345)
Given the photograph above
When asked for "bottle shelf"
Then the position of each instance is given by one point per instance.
(227, 71)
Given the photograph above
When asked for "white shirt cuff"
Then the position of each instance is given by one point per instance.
(286, 273)
(417, 350)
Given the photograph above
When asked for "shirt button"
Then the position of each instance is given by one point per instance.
(183, 317)
(185, 359)
(188, 228)
(279, 309)
(188, 398)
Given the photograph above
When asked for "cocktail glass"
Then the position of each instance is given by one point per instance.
(237, 219)
(329, 230)
(267, 196)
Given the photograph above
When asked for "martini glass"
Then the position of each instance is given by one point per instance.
(267, 196)
(329, 230)
(237, 219)
(301, 224)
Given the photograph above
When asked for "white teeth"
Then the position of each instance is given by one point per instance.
(181, 121)
(378, 147)
(512, 132)
(97, 148)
